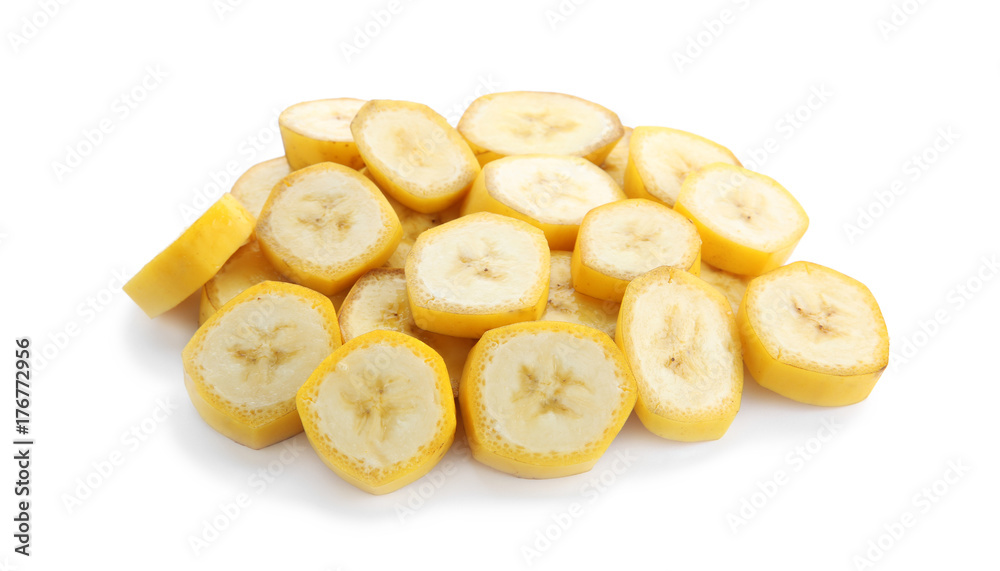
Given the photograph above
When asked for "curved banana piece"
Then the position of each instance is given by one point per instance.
(254, 186)
(184, 266)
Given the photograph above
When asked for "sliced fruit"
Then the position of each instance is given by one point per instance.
(550, 192)
(244, 365)
(544, 399)
(619, 242)
(325, 225)
(414, 154)
(680, 340)
(813, 335)
(254, 186)
(379, 411)
(749, 224)
(245, 268)
(320, 131)
(478, 272)
(731, 285)
(378, 302)
(617, 159)
(184, 266)
(531, 122)
(659, 159)
(567, 304)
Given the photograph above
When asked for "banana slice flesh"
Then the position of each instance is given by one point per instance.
(530, 122)
(378, 302)
(660, 158)
(679, 337)
(749, 224)
(320, 131)
(414, 154)
(544, 399)
(244, 365)
(813, 334)
(731, 285)
(617, 160)
(379, 410)
(620, 241)
(191, 260)
(254, 186)
(567, 304)
(478, 272)
(550, 192)
(325, 225)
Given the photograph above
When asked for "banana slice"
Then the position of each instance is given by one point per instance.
(680, 340)
(325, 225)
(184, 266)
(550, 192)
(617, 159)
(247, 267)
(379, 411)
(813, 335)
(244, 365)
(544, 399)
(660, 158)
(254, 186)
(749, 224)
(481, 271)
(619, 242)
(730, 285)
(378, 302)
(320, 131)
(567, 304)
(531, 122)
(414, 154)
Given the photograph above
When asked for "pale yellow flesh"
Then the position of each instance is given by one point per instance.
(661, 158)
(627, 239)
(519, 123)
(254, 186)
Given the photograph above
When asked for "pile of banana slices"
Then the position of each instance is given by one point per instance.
(547, 267)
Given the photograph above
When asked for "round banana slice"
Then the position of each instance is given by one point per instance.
(617, 159)
(379, 411)
(659, 159)
(680, 340)
(244, 365)
(544, 399)
(567, 304)
(320, 131)
(813, 335)
(730, 285)
(254, 186)
(325, 225)
(619, 242)
(184, 266)
(414, 154)
(378, 302)
(749, 224)
(478, 272)
(247, 267)
(550, 192)
(531, 122)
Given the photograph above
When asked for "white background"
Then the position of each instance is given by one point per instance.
(67, 235)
